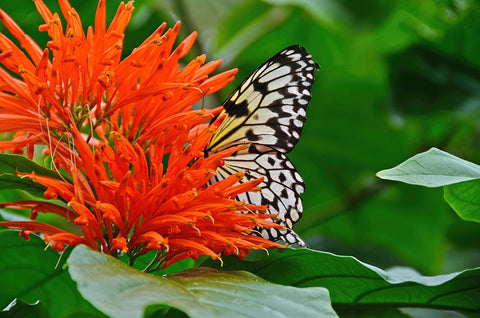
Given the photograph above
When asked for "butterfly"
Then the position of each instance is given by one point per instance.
(266, 112)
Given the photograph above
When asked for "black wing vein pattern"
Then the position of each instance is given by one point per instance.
(267, 112)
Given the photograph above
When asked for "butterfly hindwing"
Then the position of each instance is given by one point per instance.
(281, 188)
(267, 112)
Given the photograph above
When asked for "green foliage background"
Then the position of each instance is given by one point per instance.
(397, 77)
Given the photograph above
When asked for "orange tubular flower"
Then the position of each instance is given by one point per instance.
(125, 132)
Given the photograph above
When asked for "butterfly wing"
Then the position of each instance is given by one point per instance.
(269, 107)
(266, 113)
(281, 188)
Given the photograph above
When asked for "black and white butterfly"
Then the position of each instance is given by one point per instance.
(266, 113)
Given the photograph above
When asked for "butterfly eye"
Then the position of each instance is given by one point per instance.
(267, 112)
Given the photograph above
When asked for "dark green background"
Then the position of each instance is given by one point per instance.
(396, 78)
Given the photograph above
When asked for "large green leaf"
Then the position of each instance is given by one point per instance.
(433, 168)
(11, 164)
(355, 284)
(464, 198)
(31, 273)
(10, 182)
(121, 291)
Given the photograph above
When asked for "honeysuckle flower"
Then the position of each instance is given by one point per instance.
(124, 133)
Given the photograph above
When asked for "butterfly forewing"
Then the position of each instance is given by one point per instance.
(266, 113)
(269, 107)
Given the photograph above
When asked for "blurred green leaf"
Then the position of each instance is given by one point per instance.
(248, 23)
(122, 291)
(461, 40)
(390, 220)
(353, 284)
(368, 13)
(464, 198)
(31, 273)
(328, 12)
(433, 168)
(425, 80)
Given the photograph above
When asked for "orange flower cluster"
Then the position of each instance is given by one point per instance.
(124, 133)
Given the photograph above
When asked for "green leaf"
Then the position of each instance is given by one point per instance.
(10, 182)
(10, 164)
(433, 168)
(121, 291)
(30, 273)
(464, 198)
(355, 284)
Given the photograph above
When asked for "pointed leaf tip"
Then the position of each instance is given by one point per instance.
(433, 168)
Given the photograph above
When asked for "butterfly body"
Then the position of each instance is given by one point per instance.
(266, 113)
